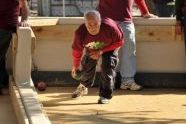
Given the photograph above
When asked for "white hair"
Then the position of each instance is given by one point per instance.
(92, 13)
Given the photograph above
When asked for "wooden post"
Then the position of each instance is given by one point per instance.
(39, 3)
(22, 70)
(46, 8)
(64, 14)
(23, 80)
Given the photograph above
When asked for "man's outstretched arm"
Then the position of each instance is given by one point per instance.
(24, 12)
(144, 9)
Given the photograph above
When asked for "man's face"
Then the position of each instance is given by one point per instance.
(93, 25)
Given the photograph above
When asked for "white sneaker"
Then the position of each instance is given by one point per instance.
(131, 86)
(103, 100)
(81, 90)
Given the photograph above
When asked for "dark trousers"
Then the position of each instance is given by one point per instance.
(165, 8)
(184, 29)
(107, 76)
(5, 37)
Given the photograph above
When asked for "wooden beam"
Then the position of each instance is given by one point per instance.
(155, 38)
(17, 103)
(23, 56)
(156, 34)
(22, 77)
(47, 21)
(57, 32)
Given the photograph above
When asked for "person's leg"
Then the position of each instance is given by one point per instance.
(151, 6)
(88, 71)
(164, 10)
(128, 58)
(87, 74)
(5, 37)
(184, 29)
(108, 73)
(4, 77)
(170, 12)
(159, 9)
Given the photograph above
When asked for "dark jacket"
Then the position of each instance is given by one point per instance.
(180, 8)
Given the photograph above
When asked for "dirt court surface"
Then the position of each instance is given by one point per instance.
(149, 106)
(7, 114)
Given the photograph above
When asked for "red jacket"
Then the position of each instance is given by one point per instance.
(110, 34)
(9, 11)
(120, 10)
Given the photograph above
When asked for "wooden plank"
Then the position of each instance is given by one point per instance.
(17, 104)
(155, 41)
(53, 55)
(155, 21)
(33, 42)
(57, 32)
(23, 56)
(47, 21)
(166, 57)
(22, 76)
(33, 106)
(143, 33)
(156, 34)
(34, 22)
(52, 40)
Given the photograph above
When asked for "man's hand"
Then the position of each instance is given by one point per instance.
(178, 29)
(149, 15)
(95, 54)
(73, 72)
(24, 13)
(76, 73)
(24, 24)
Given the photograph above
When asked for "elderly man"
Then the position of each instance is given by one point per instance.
(9, 12)
(121, 12)
(107, 33)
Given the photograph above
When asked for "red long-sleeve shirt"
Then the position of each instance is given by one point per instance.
(120, 10)
(9, 11)
(109, 33)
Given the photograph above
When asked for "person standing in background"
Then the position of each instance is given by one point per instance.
(164, 8)
(9, 12)
(121, 12)
(180, 9)
(151, 6)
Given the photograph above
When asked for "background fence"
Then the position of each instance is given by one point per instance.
(64, 8)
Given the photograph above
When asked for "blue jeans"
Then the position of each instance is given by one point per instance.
(127, 64)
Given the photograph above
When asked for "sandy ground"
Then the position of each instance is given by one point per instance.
(7, 115)
(149, 106)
